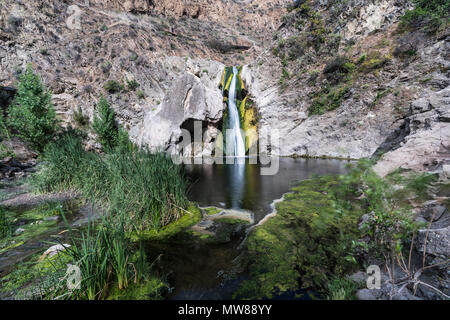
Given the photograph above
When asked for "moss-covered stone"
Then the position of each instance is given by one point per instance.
(306, 244)
(190, 218)
(212, 210)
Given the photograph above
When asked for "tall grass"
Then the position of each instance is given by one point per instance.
(145, 188)
(5, 227)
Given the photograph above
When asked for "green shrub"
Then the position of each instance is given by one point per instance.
(32, 115)
(373, 60)
(132, 85)
(342, 289)
(79, 118)
(105, 125)
(140, 94)
(328, 99)
(428, 14)
(113, 86)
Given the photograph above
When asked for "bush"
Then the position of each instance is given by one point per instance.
(132, 85)
(342, 289)
(428, 14)
(373, 60)
(32, 115)
(328, 99)
(337, 68)
(105, 125)
(113, 86)
(79, 118)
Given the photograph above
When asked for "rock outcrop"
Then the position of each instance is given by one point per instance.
(191, 98)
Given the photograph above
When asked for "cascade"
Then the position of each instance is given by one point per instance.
(235, 142)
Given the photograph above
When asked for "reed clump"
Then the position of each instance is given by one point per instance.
(146, 189)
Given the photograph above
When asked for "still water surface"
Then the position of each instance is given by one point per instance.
(202, 271)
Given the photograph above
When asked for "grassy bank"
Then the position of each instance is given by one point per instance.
(145, 190)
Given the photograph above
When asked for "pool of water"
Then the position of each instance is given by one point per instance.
(196, 270)
(241, 186)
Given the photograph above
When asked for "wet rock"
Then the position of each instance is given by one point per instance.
(188, 100)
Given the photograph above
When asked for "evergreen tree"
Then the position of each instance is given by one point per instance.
(31, 115)
(105, 125)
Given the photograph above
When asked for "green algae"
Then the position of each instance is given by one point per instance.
(44, 211)
(306, 244)
(232, 221)
(190, 218)
(150, 289)
(212, 210)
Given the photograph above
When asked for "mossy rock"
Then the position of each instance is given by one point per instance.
(303, 246)
(212, 210)
(190, 218)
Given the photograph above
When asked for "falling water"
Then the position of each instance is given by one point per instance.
(235, 142)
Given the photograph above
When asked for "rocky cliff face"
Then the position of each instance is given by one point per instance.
(337, 82)
(336, 78)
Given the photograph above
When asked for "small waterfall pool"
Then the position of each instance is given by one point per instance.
(196, 270)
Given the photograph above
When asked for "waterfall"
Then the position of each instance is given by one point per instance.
(235, 141)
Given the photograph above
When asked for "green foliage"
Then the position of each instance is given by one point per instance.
(112, 86)
(132, 85)
(328, 99)
(313, 241)
(337, 68)
(342, 289)
(146, 188)
(428, 14)
(140, 94)
(389, 219)
(32, 115)
(372, 61)
(310, 240)
(105, 125)
(80, 119)
(284, 77)
(5, 226)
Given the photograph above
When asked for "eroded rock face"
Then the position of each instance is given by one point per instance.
(429, 139)
(189, 99)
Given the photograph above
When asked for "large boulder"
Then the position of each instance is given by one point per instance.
(188, 100)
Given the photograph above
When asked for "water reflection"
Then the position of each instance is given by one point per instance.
(241, 185)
